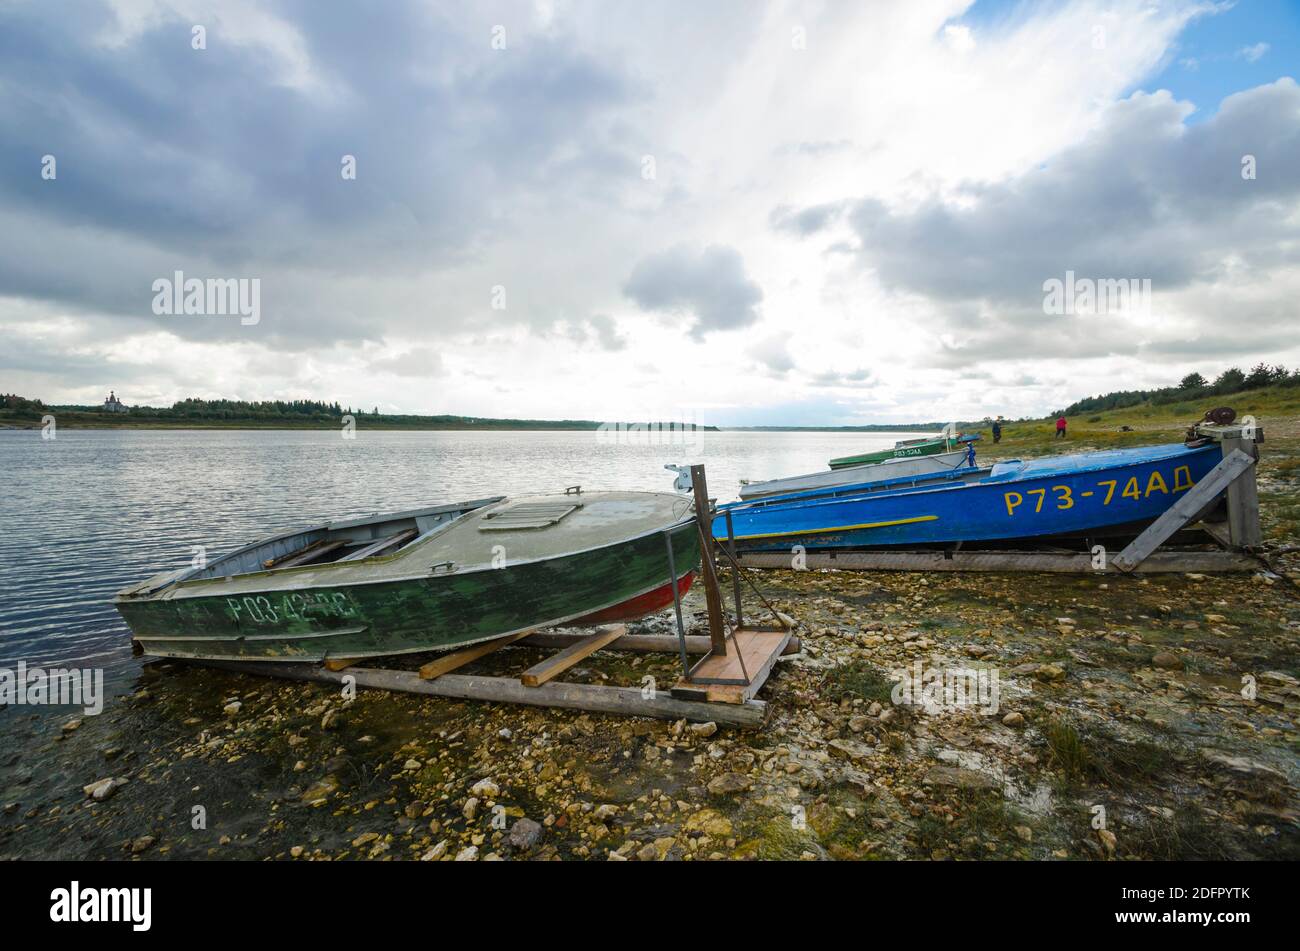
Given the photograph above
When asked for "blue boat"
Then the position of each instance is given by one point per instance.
(1082, 494)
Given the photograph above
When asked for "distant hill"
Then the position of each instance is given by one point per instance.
(1191, 387)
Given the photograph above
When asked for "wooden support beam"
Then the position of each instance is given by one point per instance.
(1188, 507)
(557, 664)
(647, 643)
(449, 662)
(1003, 561)
(708, 571)
(340, 663)
(1243, 498)
(624, 701)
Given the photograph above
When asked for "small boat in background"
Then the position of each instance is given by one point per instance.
(425, 579)
(907, 448)
(887, 469)
(1091, 493)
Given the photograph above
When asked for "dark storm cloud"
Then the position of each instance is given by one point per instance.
(214, 162)
(1144, 196)
(711, 285)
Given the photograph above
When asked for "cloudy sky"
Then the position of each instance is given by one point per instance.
(814, 213)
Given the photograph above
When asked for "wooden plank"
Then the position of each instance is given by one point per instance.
(1218, 531)
(645, 643)
(1243, 499)
(376, 547)
(557, 664)
(1003, 561)
(708, 571)
(449, 662)
(296, 553)
(341, 663)
(1188, 507)
(760, 650)
(624, 701)
(309, 554)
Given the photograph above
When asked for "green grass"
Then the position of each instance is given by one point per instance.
(1105, 760)
(857, 680)
(1150, 423)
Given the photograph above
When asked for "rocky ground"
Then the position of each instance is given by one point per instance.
(1121, 730)
(1134, 718)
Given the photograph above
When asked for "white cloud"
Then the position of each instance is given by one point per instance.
(523, 169)
(1254, 52)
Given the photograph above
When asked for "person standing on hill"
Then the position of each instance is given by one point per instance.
(997, 430)
(1060, 426)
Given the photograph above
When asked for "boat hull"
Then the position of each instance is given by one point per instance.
(906, 450)
(435, 612)
(1081, 494)
(858, 475)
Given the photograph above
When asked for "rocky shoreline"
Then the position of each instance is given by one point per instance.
(1121, 729)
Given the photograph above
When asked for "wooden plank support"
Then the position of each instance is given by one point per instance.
(646, 643)
(449, 662)
(624, 701)
(1243, 499)
(760, 648)
(557, 664)
(1188, 508)
(1004, 561)
(708, 571)
(340, 663)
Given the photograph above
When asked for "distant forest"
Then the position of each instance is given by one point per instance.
(271, 413)
(1191, 387)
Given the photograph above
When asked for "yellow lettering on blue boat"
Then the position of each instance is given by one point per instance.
(1156, 483)
(1131, 490)
(1182, 478)
(1011, 506)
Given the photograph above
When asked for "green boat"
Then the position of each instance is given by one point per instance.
(426, 579)
(907, 447)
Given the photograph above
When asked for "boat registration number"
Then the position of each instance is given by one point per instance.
(272, 609)
(1062, 497)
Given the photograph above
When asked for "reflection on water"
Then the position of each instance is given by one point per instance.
(94, 510)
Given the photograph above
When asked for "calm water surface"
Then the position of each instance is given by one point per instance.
(91, 511)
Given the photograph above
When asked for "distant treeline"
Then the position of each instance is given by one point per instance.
(1191, 387)
(293, 413)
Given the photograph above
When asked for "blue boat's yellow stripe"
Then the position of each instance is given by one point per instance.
(837, 528)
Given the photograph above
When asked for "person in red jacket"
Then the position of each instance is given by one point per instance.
(1060, 427)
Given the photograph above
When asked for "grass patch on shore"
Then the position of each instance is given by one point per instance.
(1107, 760)
(855, 680)
(1188, 836)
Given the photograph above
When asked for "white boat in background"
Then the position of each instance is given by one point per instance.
(897, 468)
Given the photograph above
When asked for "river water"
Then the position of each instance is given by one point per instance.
(91, 511)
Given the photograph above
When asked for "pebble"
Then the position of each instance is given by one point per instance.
(525, 834)
(1167, 661)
